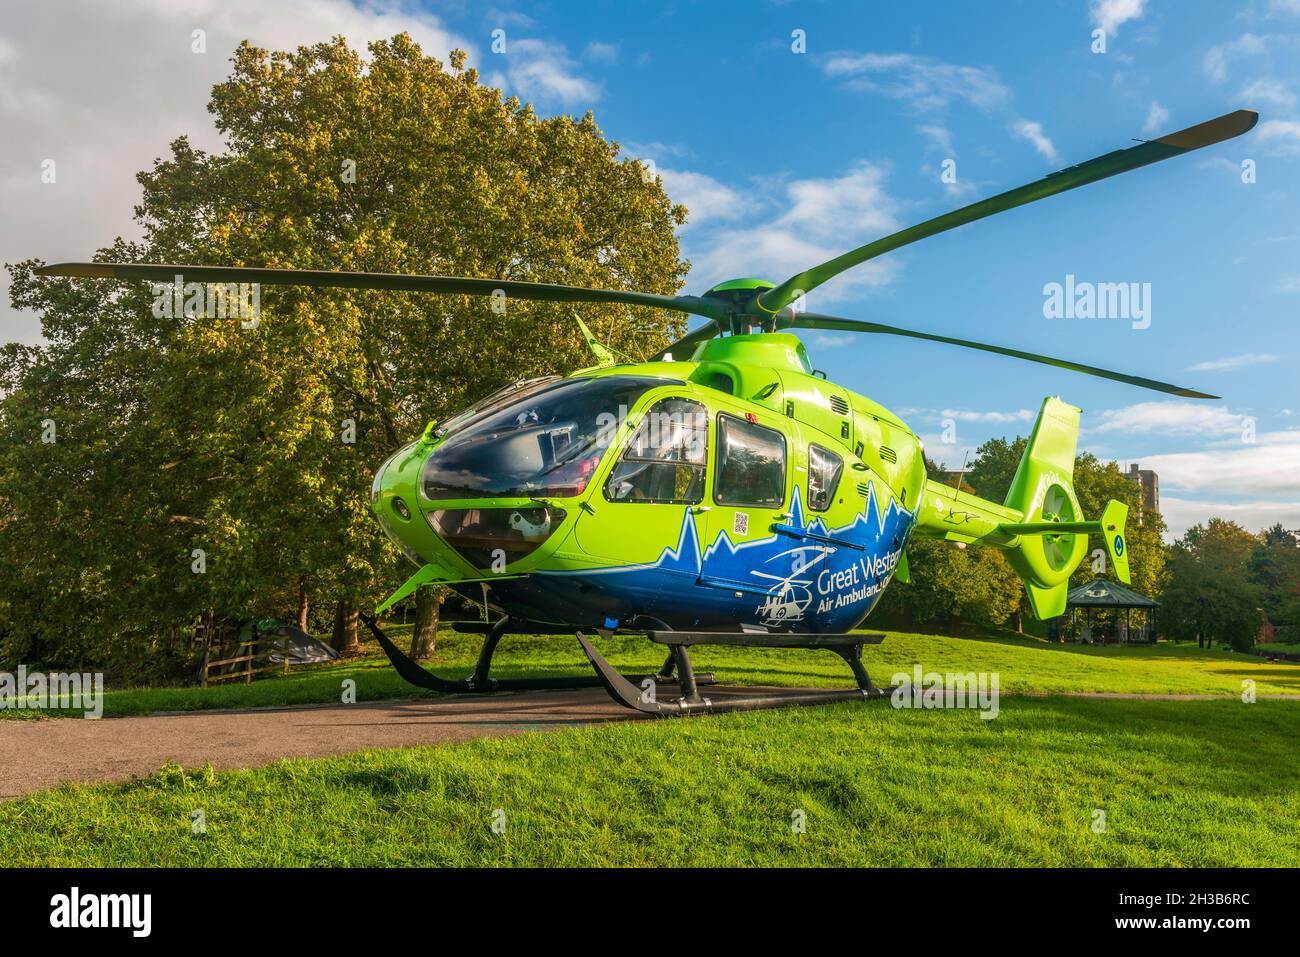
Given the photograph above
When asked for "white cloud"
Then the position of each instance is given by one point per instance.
(1157, 117)
(948, 456)
(603, 52)
(1267, 467)
(541, 70)
(654, 150)
(1232, 363)
(1267, 91)
(930, 86)
(103, 110)
(1281, 135)
(1289, 284)
(925, 83)
(1033, 132)
(940, 138)
(1218, 58)
(1110, 15)
(828, 340)
(820, 207)
(1180, 514)
(508, 18)
(996, 418)
(817, 220)
(1170, 418)
(706, 199)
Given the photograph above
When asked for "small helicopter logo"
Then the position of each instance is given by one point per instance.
(789, 596)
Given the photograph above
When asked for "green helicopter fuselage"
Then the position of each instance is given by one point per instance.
(736, 487)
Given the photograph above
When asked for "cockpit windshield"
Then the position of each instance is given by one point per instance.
(513, 391)
(544, 442)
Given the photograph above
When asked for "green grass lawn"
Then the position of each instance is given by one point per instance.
(1024, 664)
(1181, 783)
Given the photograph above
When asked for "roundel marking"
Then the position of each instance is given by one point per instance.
(1119, 545)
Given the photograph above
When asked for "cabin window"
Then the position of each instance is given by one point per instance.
(664, 460)
(824, 468)
(751, 464)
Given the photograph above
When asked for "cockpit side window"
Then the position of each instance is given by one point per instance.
(665, 458)
(824, 468)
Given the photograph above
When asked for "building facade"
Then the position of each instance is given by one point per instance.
(1150, 483)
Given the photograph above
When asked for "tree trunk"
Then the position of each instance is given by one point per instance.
(425, 633)
(302, 604)
(344, 638)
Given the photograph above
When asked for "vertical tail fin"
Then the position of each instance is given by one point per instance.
(1043, 492)
(1040, 526)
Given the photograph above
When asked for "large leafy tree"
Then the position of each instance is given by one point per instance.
(1274, 567)
(950, 585)
(257, 445)
(1209, 596)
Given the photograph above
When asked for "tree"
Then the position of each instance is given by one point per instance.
(203, 467)
(1274, 567)
(995, 465)
(952, 584)
(1209, 596)
(424, 634)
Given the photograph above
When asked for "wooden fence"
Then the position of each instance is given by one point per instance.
(248, 652)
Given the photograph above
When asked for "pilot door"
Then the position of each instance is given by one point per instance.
(659, 475)
(746, 555)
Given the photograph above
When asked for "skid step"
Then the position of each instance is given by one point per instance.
(645, 697)
(776, 639)
(482, 682)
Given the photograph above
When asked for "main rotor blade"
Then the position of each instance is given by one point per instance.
(548, 292)
(684, 347)
(812, 320)
(1120, 161)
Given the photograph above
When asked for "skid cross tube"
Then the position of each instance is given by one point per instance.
(481, 680)
(646, 700)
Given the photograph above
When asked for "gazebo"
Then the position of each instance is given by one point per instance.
(1107, 595)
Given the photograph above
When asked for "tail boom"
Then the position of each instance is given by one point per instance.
(1040, 527)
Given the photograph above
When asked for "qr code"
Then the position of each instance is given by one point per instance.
(741, 524)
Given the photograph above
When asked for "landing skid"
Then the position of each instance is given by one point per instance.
(646, 698)
(481, 681)
(641, 692)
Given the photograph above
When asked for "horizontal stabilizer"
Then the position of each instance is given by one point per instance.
(1110, 527)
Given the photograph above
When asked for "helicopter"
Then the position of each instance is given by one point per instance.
(723, 492)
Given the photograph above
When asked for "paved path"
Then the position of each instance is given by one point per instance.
(35, 755)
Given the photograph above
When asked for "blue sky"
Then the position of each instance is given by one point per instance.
(788, 158)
